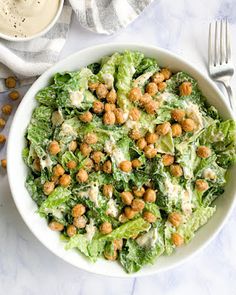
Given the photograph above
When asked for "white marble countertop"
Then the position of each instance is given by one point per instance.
(27, 267)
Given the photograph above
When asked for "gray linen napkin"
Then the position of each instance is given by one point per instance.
(107, 16)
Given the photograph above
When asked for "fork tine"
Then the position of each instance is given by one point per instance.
(217, 59)
(210, 48)
(222, 55)
(228, 48)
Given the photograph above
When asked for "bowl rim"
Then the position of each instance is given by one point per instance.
(39, 34)
(11, 142)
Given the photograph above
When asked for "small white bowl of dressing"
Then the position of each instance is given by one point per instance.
(24, 20)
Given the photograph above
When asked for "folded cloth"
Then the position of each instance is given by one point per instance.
(31, 58)
(107, 16)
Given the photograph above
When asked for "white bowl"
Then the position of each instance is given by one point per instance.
(43, 32)
(17, 170)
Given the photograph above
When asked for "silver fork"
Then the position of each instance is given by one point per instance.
(219, 57)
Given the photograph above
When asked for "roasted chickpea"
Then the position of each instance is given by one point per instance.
(85, 149)
(106, 167)
(10, 82)
(111, 96)
(56, 226)
(119, 114)
(105, 228)
(78, 210)
(138, 192)
(86, 117)
(98, 107)
(71, 164)
(150, 151)
(125, 166)
(151, 88)
(135, 134)
(136, 163)
(58, 170)
(188, 125)
(118, 244)
(73, 146)
(110, 107)
(203, 152)
(126, 198)
(201, 185)
(97, 156)
(151, 138)
(88, 164)
(129, 212)
(150, 196)
(158, 77)
(177, 239)
(178, 115)
(110, 256)
(135, 94)
(48, 187)
(175, 218)
(141, 143)
(82, 176)
(7, 109)
(109, 118)
(163, 128)
(101, 91)
(71, 230)
(134, 114)
(166, 73)
(37, 165)
(161, 86)
(54, 148)
(167, 160)
(93, 86)
(176, 170)
(107, 190)
(14, 95)
(2, 138)
(185, 89)
(91, 138)
(2, 123)
(149, 216)
(65, 180)
(146, 98)
(4, 163)
(151, 107)
(138, 205)
(176, 130)
(80, 222)
(122, 218)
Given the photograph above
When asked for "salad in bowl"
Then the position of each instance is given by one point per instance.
(126, 159)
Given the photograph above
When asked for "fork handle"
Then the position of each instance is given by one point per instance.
(231, 97)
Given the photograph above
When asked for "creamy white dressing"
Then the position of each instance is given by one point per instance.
(67, 130)
(186, 205)
(90, 230)
(130, 124)
(46, 163)
(172, 190)
(166, 96)
(93, 193)
(208, 173)
(109, 145)
(149, 239)
(108, 80)
(76, 98)
(193, 112)
(57, 118)
(25, 18)
(112, 208)
(142, 79)
(116, 153)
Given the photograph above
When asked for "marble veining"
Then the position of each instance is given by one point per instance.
(28, 268)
